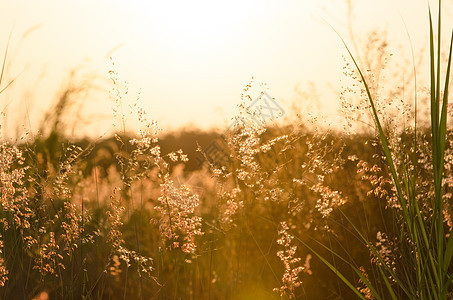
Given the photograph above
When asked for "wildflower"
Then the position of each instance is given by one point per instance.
(290, 278)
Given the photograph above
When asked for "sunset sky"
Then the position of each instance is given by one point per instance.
(191, 59)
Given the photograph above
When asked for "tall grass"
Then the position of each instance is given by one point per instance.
(133, 217)
(426, 272)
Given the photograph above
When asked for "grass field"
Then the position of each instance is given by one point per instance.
(264, 210)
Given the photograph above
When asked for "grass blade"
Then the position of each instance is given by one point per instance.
(335, 270)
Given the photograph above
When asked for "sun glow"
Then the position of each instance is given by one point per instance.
(188, 23)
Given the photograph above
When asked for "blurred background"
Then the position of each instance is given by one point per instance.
(188, 60)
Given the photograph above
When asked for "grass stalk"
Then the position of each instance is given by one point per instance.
(431, 255)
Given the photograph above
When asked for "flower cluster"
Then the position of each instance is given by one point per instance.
(49, 260)
(178, 222)
(290, 279)
(363, 288)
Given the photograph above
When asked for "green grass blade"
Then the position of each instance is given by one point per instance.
(383, 139)
(356, 270)
(434, 110)
(335, 270)
(360, 274)
(367, 283)
(443, 118)
(381, 260)
(387, 284)
(448, 252)
(449, 249)
(439, 15)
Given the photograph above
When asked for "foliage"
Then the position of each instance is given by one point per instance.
(270, 215)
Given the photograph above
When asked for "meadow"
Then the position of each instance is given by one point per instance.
(288, 209)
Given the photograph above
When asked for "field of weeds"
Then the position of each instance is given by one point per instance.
(263, 210)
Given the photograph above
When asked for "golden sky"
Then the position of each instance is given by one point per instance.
(191, 59)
